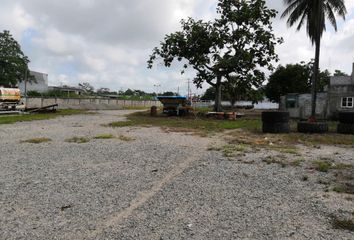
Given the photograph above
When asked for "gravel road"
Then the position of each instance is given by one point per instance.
(158, 186)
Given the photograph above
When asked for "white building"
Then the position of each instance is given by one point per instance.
(39, 85)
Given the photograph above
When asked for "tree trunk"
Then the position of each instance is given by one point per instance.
(217, 106)
(315, 80)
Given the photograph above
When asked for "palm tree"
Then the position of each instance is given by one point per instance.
(314, 13)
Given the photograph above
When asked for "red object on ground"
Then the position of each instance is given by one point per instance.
(312, 119)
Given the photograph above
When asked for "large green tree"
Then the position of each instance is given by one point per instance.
(294, 78)
(13, 62)
(238, 43)
(314, 13)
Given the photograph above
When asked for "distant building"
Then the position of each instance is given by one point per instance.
(40, 84)
(67, 89)
(339, 96)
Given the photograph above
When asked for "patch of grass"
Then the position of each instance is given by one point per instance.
(289, 150)
(192, 124)
(274, 160)
(104, 136)
(215, 148)
(344, 188)
(121, 124)
(297, 162)
(342, 166)
(305, 178)
(39, 116)
(230, 150)
(284, 149)
(322, 166)
(37, 140)
(322, 139)
(252, 134)
(77, 140)
(344, 224)
(125, 138)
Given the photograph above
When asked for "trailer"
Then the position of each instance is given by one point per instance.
(175, 105)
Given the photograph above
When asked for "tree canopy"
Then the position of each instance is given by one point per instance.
(293, 78)
(13, 62)
(239, 43)
(339, 73)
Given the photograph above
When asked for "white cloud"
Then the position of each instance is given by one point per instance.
(107, 42)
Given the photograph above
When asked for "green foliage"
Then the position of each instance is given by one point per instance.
(169, 94)
(210, 94)
(239, 90)
(338, 73)
(34, 94)
(293, 78)
(315, 14)
(322, 166)
(237, 43)
(13, 62)
(53, 93)
(234, 92)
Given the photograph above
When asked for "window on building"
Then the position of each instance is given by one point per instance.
(292, 101)
(347, 102)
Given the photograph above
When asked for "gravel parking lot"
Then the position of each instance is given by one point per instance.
(150, 184)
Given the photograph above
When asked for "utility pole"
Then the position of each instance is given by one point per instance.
(189, 90)
(26, 88)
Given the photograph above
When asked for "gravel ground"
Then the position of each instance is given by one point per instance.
(158, 186)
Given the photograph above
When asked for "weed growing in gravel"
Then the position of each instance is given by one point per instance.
(322, 166)
(342, 166)
(297, 162)
(230, 150)
(344, 188)
(345, 224)
(104, 136)
(126, 138)
(77, 140)
(272, 159)
(37, 140)
(289, 150)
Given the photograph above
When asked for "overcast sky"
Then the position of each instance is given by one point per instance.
(107, 42)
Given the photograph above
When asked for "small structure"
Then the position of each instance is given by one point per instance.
(339, 96)
(175, 105)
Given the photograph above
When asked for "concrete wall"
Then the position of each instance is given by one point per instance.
(88, 103)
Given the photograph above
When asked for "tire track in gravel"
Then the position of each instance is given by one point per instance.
(117, 218)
